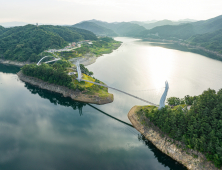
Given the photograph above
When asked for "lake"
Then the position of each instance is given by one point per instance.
(43, 130)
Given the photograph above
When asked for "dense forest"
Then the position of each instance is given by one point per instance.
(26, 43)
(55, 73)
(211, 41)
(199, 128)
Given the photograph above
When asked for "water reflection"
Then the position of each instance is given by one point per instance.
(38, 129)
(9, 69)
(162, 158)
(56, 98)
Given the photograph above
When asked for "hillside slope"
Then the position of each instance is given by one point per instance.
(122, 28)
(96, 29)
(185, 31)
(25, 43)
(211, 41)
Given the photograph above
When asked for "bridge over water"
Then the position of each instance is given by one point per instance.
(79, 78)
(162, 100)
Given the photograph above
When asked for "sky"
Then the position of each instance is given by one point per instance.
(73, 11)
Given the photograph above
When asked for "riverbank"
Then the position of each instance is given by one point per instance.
(15, 63)
(166, 145)
(186, 45)
(90, 58)
(66, 92)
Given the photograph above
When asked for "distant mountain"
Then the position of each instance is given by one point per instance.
(95, 28)
(122, 28)
(170, 31)
(184, 31)
(25, 43)
(163, 22)
(187, 20)
(141, 23)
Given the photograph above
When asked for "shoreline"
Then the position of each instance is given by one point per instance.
(65, 91)
(165, 144)
(15, 63)
(186, 45)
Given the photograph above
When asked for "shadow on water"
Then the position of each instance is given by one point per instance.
(177, 46)
(110, 115)
(58, 99)
(161, 157)
(9, 69)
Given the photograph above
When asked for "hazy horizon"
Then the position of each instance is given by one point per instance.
(62, 12)
(21, 23)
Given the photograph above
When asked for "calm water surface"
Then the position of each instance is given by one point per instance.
(43, 130)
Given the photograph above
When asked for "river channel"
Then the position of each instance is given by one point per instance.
(43, 130)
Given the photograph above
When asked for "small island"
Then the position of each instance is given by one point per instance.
(188, 130)
(56, 77)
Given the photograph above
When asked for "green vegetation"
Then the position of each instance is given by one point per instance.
(211, 41)
(95, 28)
(199, 128)
(188, 100)
(206, 34)
(57, 73)
(183, 31)
(26, 43)
(103, 45)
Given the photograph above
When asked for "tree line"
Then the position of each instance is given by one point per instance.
(55, 73)
(199, 128)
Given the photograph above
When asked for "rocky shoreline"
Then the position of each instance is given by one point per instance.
(165, 144)
(65, 91)
(16, 63)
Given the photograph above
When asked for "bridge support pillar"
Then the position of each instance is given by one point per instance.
(163, 98)
(78, 71)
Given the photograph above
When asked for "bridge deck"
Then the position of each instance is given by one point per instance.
(120, 91)
(52, 60)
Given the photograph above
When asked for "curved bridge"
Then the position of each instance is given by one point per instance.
(162, 100)
(56, 59)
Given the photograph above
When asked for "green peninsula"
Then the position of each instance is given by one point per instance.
(57, 78)
(189, 130)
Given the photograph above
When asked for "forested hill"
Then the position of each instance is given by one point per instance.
(95, 28)
(122, 28)
(25, 43)
(2, 29)
(184, 31)
(211, 41)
